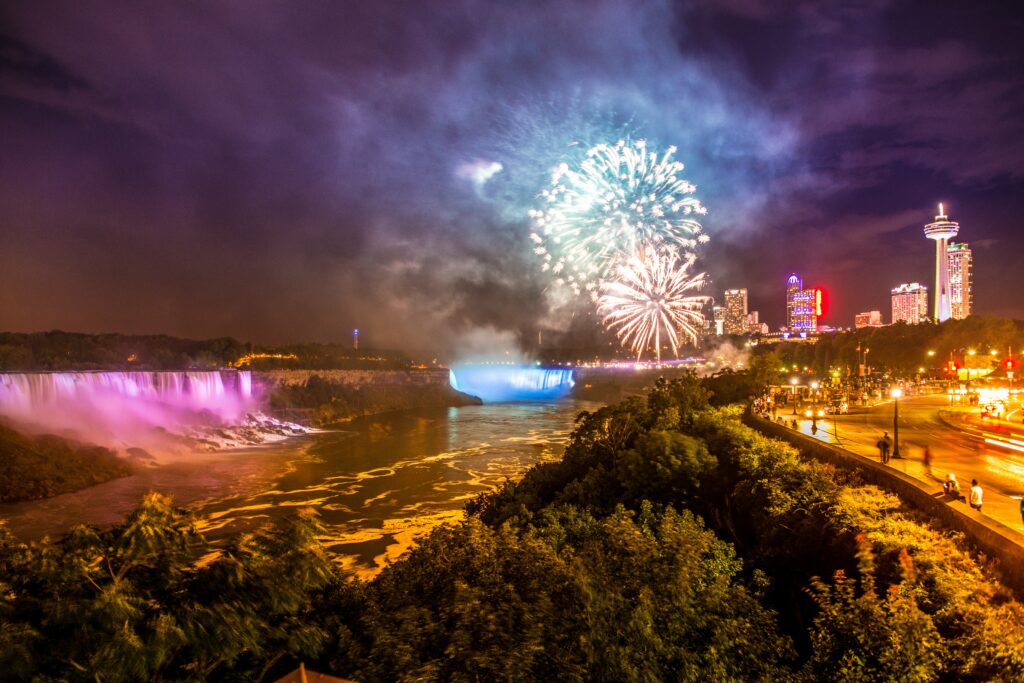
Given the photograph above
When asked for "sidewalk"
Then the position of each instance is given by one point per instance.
(909, 480)
(1003, 508)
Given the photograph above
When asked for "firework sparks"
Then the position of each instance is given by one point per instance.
(652, 302)
(621, 199)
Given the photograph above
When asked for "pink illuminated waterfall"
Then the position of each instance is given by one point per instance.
(123, 407)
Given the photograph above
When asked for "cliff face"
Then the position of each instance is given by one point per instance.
(323, 397)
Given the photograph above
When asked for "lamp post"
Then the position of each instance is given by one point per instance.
(794, 382)
(896, 393)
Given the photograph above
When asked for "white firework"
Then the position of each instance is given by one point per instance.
(652, 302)
(622, 198)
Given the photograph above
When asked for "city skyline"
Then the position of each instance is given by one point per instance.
(161, 176)
(953, 273)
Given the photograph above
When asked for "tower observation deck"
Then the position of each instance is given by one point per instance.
(941, 230)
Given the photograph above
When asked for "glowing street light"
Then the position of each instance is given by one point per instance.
(896, 393)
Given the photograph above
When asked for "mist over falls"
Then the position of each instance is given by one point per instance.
(154, 410)
(503, 383)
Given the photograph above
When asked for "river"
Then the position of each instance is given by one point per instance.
(377, 484)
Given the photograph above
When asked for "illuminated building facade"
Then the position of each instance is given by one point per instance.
(910, 304)
(735, 311)
(868, 319)
(941, 230)
(803, 306)
(959, 263)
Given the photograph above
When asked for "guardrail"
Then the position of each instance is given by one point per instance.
(995, 540)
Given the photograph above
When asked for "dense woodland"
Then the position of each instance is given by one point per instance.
(34, 467)
(322, 401)
(670, 543)
(76, 351)
(902, 349)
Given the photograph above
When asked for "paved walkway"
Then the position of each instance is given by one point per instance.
(957, 442)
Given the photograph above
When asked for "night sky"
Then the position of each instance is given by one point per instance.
(288, 171)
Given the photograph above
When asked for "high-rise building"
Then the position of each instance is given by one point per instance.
(910, 304)
(868, 319)
(801, 305)
(959, 264)
(736, 311)
(941, 230)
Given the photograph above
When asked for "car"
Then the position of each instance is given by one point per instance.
(995, 409)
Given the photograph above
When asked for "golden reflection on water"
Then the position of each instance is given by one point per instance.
(397, 477)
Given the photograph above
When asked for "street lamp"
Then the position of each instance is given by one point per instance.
(794, 382)
(896, 393)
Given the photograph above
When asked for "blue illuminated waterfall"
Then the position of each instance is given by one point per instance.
(500, 383)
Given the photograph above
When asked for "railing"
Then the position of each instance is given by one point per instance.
(996, 540)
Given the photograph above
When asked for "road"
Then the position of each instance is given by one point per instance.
(972, 449)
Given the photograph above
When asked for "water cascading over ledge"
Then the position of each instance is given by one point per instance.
(122, 406)
(503, 383)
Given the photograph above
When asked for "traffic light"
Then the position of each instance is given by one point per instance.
(1010, 364)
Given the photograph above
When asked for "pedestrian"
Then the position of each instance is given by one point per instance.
(1022, 511)
(883, 447)
(928, 460)
(975, 495)
(951, 486)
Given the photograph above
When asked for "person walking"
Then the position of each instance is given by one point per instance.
(1022, 511)
(927, 457)
(975, 495)
(883, 447)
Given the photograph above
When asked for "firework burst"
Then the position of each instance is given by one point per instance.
(652, 302)
(621, 199)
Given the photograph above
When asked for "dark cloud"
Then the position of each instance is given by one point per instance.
(280, 171)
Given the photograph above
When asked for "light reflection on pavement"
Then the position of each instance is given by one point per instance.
(971, 450)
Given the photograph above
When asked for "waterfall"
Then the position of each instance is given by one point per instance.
(120, 406)
(500, 383)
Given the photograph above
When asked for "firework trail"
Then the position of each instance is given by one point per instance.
(652, 301)
(621, 200)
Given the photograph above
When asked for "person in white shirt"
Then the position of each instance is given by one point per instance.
(975, 495)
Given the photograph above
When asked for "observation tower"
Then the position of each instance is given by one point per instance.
(941, 230)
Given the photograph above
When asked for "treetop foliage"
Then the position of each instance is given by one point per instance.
(670, 543)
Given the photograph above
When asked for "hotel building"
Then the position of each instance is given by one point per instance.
(959, 264)
(736, 311)
(910, 304)
(801, 306)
